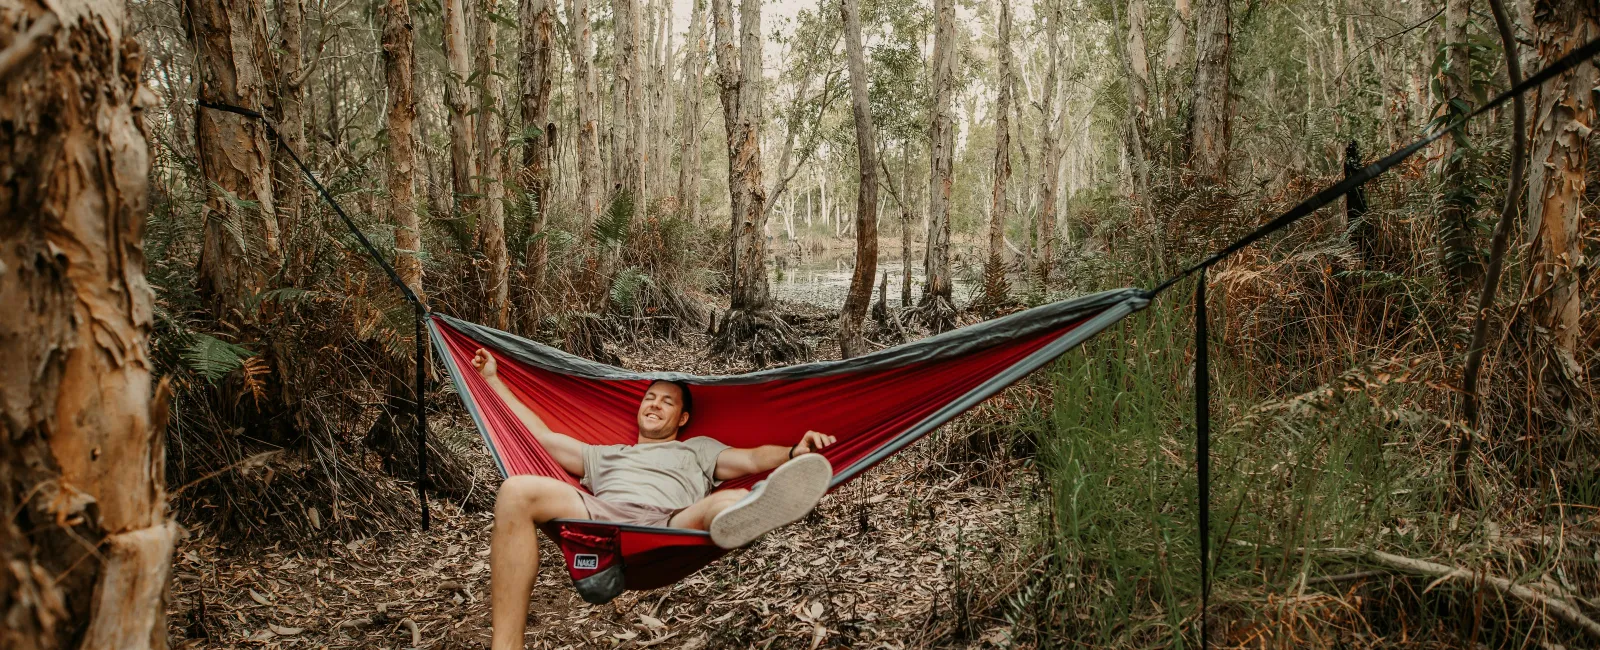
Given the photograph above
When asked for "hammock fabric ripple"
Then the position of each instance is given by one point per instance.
(875, 405)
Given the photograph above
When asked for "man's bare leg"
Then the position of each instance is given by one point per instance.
(699, 515)
(523, 503)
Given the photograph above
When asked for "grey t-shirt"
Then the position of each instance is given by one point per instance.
(672, 474)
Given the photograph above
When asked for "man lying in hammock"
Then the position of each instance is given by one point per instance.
(660, 481)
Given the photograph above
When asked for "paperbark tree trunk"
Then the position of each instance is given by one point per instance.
(1211, 111)
(664, 96)
(538, 28)
(1137, 66)
(748, 324)
(87, 540)
(240, 248)
(496, 280)
(1173, 59)
(1044, 227)
(907, 217)
(458, 95)
(1458, 254)
(399, 65)
(1177, 37)
(851, 343)
(627, 124)
(996, 288)
(289, 185)
(937, 309)
(1563, 119)
(694, 62)
(588, 104)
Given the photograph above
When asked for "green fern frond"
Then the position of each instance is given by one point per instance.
(611, 229)
(626, 288)
(212, 358)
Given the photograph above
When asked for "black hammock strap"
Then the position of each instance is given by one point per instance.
(420, 414)
(1202, 373)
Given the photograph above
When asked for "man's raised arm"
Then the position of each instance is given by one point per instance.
(567, 451)
(734, 463)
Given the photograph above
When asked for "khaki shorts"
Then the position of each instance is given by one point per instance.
(638, 514)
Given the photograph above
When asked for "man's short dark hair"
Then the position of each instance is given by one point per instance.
(688, 397)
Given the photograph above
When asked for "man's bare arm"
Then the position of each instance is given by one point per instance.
(734, 463)
(567, 450)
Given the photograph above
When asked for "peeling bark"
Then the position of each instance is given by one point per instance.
(937, 308)
(694, 63)
(588, 103)
(496, 280)
(748, 324)
(995, 286)
(88, 541)
(538, 28)
(1211, 111)
(1563, 122)
(458, 98)
(1044, 227)
(288, 184)
(399, 64)
(851, 343)
(241, 247)
(627, 125)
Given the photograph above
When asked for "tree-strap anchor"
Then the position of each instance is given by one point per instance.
(420, 307)
(1322, 198)
(1202, 442)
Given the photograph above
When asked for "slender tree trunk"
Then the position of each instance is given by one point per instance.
(1044, 230)
(851, 343)
(399, 65)
(588, 105)
(694, 62)
(995, 286)
(1211, 111)
(1177, 37)
(240, 249)
(740, 85)
(87, 540)
(938, 309)
(1138, 63)
(288, 185)
(538, 28)
(492, 222)
(665, 94)
(458, 95)
(1458, 250)
(628, 118)
(1564, 115)
(1137, 66)
(907, 217)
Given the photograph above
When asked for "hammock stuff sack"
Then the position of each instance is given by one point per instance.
(875, 405)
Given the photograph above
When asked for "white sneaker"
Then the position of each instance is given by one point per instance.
(791, 491)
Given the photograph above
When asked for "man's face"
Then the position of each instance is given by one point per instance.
(661, 412)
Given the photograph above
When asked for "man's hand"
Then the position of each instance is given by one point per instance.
(484, 363)
(811, 442)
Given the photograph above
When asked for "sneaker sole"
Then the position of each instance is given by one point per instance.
(792, 490)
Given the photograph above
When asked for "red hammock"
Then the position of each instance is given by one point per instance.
(875, 405)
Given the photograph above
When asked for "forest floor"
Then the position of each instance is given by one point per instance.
(917, 553)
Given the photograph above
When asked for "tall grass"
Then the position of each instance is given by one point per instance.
(1360, 462)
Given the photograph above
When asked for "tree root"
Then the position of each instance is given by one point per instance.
(758, 336)
(1556, 607)
(936, 313)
